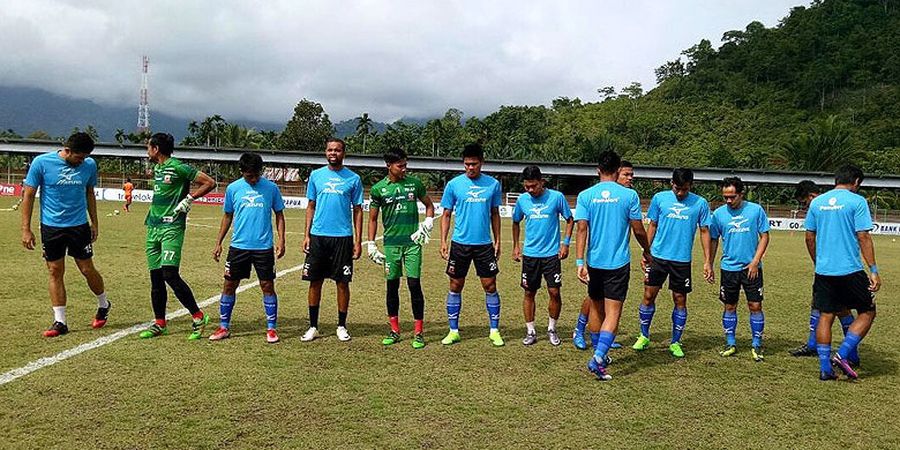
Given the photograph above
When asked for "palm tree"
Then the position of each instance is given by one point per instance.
(363, 127)
(824, 146)
(120, 135)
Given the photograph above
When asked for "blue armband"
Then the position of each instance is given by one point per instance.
(873, 269)
(567, 241)
(579, 262)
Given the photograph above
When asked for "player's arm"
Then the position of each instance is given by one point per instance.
(281, 228)
(706, 243)
(224, 225)
(205, 184)
(811, 245)
(643, 239)
(581, 234)
(445, 232)
(713, 249)
(567, 239)
(516, 230)
(429, 205)
(28, 194)
(495, 227)
(310, 213)
(357, 231)
(867, 248)
(753, 267)
(92, 212)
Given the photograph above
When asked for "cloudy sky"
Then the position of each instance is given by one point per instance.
(255, 60)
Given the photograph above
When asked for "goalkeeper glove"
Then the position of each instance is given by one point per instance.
(423, 234)
(184, 206)
(376, 256)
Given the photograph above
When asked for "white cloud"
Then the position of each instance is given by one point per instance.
(255, 60)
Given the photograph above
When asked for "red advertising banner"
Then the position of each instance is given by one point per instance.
(211, 199)
(13, 190)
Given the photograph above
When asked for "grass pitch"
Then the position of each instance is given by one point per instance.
(242, 393)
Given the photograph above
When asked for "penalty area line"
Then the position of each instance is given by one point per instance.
(48, 361)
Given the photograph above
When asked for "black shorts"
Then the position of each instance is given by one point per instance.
(57, 241)
(329, 257)
(533, 269)
(609, 283)
(462, 255)
(834, 294)
(237, 265)
(733, 281)
(679, 274)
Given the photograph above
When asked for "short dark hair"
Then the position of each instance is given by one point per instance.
(682, 175)
(848, 174)
(609, 162)
(250, 162)
(128, 179)
(473, 150)
(80, 142)
(626, 163)
(339, 141)
(734, 182)
(804, 189)
(532, 173)
(165, 142)
(394, 154)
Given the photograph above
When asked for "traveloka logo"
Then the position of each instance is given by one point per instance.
(737, 223)
(832, 205)
(333, 185)
(67, 177)
(250, 199)
(537, 212)
(676, 213)
(605, 198)
(475, 195)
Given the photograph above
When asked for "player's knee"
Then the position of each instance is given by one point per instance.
(56, 271)
(732, 308)
(170, 274)
(754, 307)
(457, 284)
(554, 294)
(267, 287)
(86, 268)
(415, 287)
(490, 286)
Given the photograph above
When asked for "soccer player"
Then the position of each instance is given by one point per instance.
(397, 196)
(66, 179)
(674, 217)
(541, 209)
(475, 197)
(837, 232)
(744, 229)
(805, 193)
(128, 187)
(333, 239)
(249, 203)
(606, 213)
(625, 178)
(166, 222)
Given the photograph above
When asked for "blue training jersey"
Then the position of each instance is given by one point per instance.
(676, 224)
(836, 216)
(335, 194)
(541, 216)
(63, 188)
(252, 206)
(472, 201)
(608, 208)
(740, 229)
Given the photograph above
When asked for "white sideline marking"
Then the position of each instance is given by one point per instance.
(47, 361)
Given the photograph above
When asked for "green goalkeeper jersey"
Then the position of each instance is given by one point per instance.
(171, 183)
(398, 203)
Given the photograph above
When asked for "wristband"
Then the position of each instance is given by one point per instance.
(190, 198)
(579, 262)
(873, 269)
(567, 241)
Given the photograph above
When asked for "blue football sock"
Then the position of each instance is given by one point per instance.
(729, 323)
(581, 324)
(813, 323)
(757, 325)
(454, 304)
(226, 304)
(848, 347)
(594, 338)
(492, 302)
(679, 319)
(824, 351)
(270, 302)
(601, 347)
(845, 325)
(646, 316)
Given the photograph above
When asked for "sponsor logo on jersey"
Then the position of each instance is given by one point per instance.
(737, 223)
(537, 212)
(474, 194)
(333, 184)
(677, 209)
(68, 176)
(605, 197)
(250, 200)
(832, 205)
